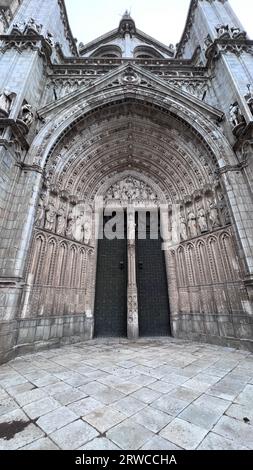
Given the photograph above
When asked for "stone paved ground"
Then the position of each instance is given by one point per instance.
(151, 394)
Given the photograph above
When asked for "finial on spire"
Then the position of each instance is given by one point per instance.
(127, 14)
(127, 24)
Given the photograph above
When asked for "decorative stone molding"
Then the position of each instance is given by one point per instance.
(129, 77)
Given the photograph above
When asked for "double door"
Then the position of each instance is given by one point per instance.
(111, 303)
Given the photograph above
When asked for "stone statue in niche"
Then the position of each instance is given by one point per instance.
(224, 210)
(236, 116)
(6, 99)
(70, 224)
(183, 228)
(192, 224)
(78, 227)
(202, 220)
(27, 114)
(249, 98)
(50, 217)
(214, 215)
(61, 222)
(40, 217)
(87, 229)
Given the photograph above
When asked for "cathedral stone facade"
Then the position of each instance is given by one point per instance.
(145, 128)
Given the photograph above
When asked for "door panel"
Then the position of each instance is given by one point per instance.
(111, 289)
(152, 287)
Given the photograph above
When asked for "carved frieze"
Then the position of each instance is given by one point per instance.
(131, 190)
(62, 215)
(204, 213)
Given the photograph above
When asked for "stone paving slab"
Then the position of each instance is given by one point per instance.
(152, 394)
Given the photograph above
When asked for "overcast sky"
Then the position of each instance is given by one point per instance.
(162, 19)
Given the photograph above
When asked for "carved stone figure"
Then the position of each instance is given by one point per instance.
(131, 189)
(238, 34)
(5, 102)
(78, 231)
(70, 224)
(18, 27)
(202, 220)
(223, 31)
(249, 98)
(224, 210)
(61, 222)
(214, 216)
(40, 217)
(183, 229)
(192, 225)
(50, 217)
(235, 114)
(27, 114)
(31, 24)
(87, 230)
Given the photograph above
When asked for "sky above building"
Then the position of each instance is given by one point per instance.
(162, 19)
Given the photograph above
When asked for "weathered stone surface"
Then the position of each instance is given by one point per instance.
(28, 432)
(56, 420)
(74, 435)
(100, 444)
(240, 432)
(104, 418)
(183, 434)
(41, 444)
(152, 419)
(60, 409)
(41, 407)
(216, 442)
(129, 435)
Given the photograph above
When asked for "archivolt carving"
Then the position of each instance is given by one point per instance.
(130, 139)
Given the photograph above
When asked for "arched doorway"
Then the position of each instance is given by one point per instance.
(135, 139)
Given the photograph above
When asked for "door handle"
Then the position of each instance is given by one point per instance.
(121, 265)
(140, 264)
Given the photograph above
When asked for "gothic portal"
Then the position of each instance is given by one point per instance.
(152, 131)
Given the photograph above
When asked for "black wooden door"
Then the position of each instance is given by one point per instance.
(111, 288)
(153, 299)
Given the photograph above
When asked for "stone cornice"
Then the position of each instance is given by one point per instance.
(30, 168)
(228, 168)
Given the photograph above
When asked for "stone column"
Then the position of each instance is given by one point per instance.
(132, 293)
(89, 296)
